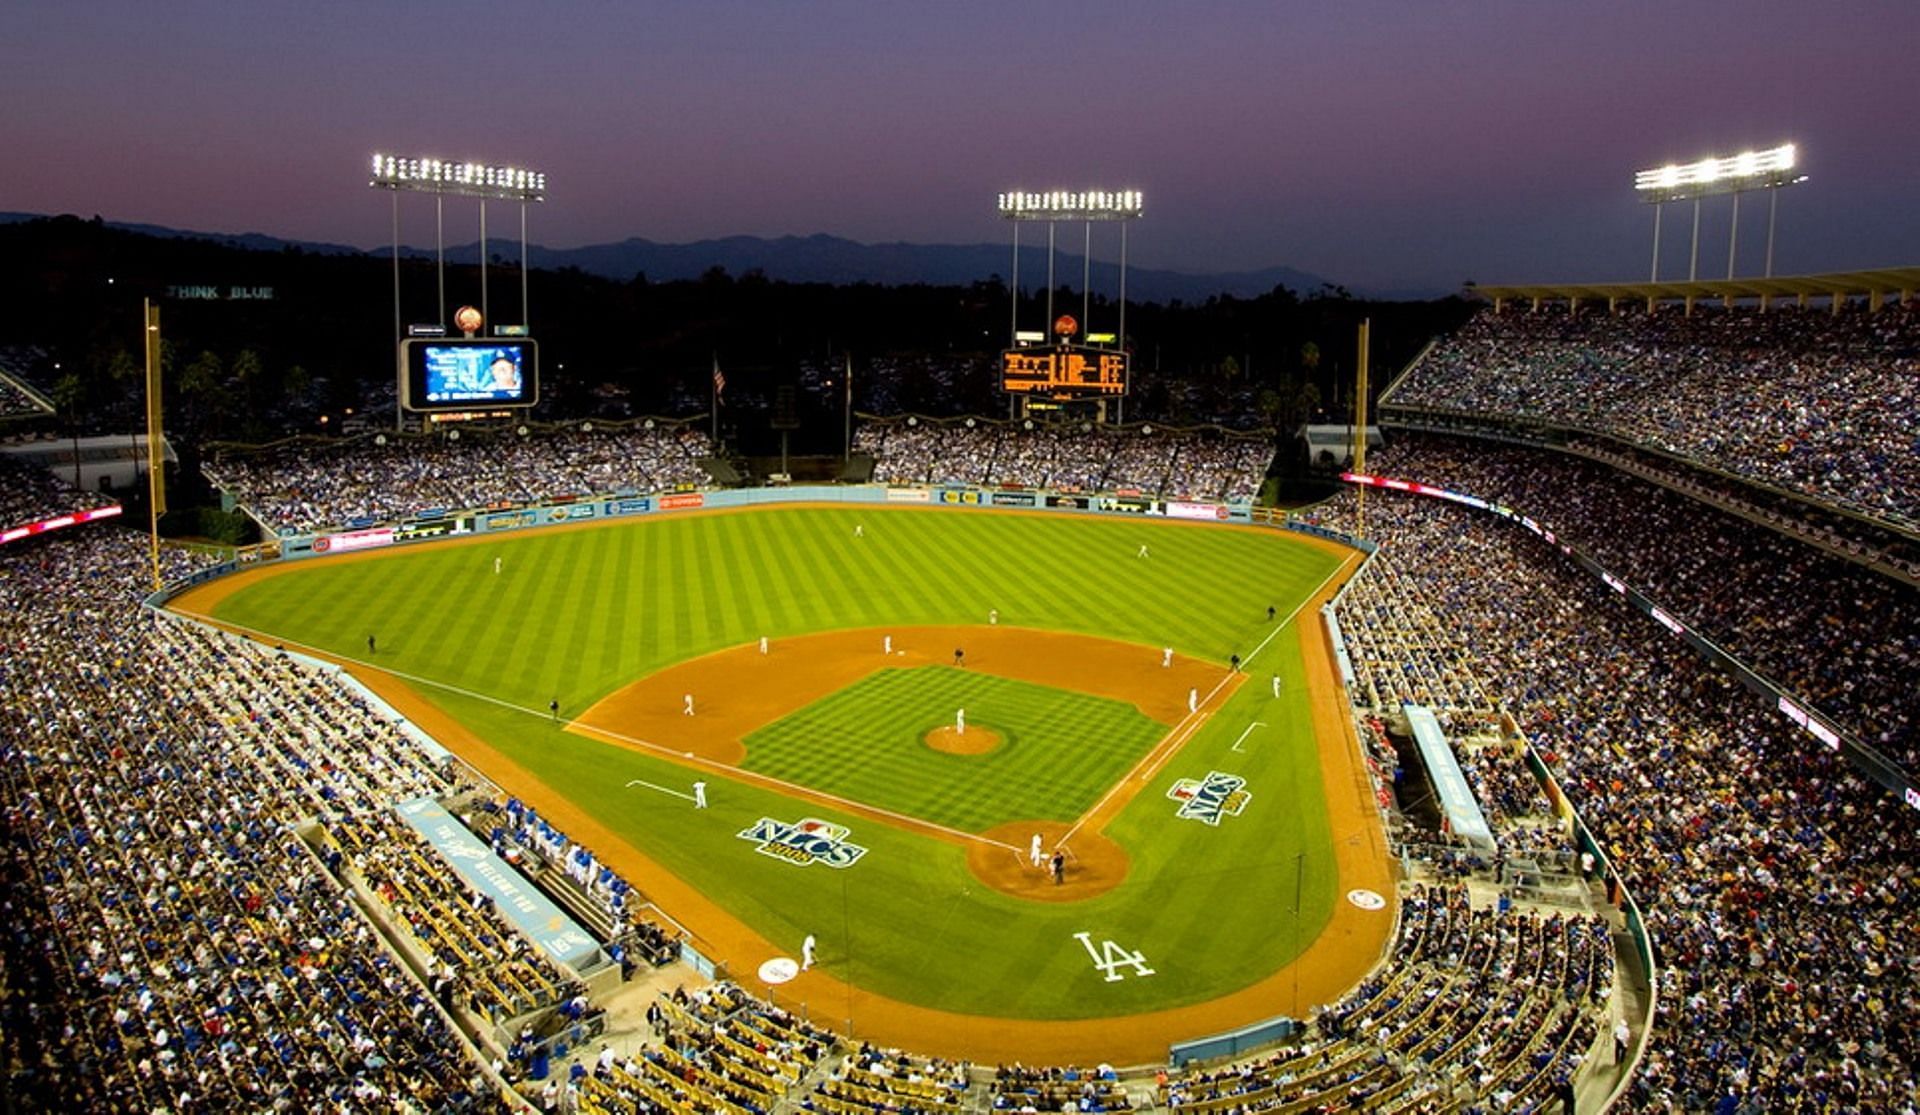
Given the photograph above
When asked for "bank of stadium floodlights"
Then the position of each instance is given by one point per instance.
(1735, 174)
(1085, 206)
(441, 178)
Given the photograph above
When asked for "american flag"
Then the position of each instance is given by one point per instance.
(719, 379)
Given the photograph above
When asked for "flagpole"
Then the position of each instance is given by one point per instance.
(715, 407)
(849, 453)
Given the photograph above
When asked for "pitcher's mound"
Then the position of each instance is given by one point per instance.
(976, 740)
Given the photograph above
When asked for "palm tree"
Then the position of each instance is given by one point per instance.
(68, 393)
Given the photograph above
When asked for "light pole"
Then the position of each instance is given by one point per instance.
(1085, 206)
(441, 178)
(1734, 174)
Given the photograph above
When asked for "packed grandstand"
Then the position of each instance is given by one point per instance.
(213, 906)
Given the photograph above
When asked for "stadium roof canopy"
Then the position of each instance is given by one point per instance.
(1873, 285)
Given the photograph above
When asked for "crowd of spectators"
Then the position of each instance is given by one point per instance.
(1184, 464)
(173, 944)
(16, 401)
(716, 1049)
(1842, 635)
(312, 486)
(1806, 400)
(1481, 1009)
(29, 494)
(1777, 884)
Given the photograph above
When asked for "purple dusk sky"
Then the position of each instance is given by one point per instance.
(1387, 145)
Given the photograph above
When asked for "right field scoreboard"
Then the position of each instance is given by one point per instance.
(1064, 372)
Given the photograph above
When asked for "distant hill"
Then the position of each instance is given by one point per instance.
(820, 259)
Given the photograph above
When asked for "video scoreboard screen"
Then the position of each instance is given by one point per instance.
(1064, 372)
(452, 373)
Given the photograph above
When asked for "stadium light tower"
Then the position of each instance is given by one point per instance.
(441, 177)
(1749, 170)
(1086, 206)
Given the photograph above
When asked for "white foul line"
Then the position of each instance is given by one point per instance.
(662, 789)
(1245, 734)
(1189, 724)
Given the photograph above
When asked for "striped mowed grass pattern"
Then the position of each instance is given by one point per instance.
(574, 614)
(1059, 751)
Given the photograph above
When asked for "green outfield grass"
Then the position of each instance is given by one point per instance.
(1059, 751)
(575, 614)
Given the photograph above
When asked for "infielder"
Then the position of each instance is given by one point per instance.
(993, 615)
(689, 700)
(1193, 702)
(806, 953)
(886, 645)
(1166, 657)
(763, 644)
(699, 795)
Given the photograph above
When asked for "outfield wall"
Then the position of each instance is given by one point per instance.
(436, 525)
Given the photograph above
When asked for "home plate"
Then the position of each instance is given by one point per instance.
(781, 969)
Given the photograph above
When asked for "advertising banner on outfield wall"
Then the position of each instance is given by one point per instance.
(1183, 509)
(1072, 503)
(909, 495)
(635, 506)
(353, 540)
(682, 501)
(968, 496)
(509, 520)
(1013, 499)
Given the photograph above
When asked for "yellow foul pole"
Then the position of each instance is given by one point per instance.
(156, 443)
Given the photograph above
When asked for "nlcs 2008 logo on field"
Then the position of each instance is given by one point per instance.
(1217, 795)
(804, 842)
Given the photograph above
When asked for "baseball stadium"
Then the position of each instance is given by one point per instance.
(1528, 727)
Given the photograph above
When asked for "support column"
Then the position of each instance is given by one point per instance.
(1693, 261)
(1733, 233)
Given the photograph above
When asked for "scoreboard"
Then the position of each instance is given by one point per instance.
(455, 374)
(1064, 372)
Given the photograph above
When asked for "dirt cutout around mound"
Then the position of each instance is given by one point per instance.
(1092, 865)
(977, 740)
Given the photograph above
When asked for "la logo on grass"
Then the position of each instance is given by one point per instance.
(1217, 795)
(804, 842)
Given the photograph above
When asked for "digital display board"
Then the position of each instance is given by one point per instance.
(1064, 372)
(465, 373)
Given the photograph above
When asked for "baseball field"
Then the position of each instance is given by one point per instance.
(936, 690)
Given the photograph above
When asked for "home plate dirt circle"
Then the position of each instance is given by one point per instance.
(976, 740)
(1095, 864)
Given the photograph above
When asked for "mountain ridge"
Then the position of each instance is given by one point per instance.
(817, 258)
